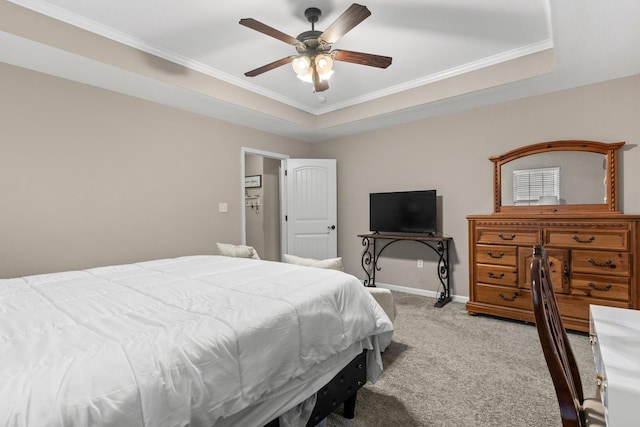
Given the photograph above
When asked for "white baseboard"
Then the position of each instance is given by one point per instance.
(422, 292)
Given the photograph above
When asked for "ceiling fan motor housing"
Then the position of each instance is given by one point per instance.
(311, 38)
(307, 36)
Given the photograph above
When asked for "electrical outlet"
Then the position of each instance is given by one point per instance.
(222, 207)
(420, 263)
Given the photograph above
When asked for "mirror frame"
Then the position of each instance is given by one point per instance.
(609, 150)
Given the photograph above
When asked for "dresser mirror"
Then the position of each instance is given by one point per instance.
(557, 177)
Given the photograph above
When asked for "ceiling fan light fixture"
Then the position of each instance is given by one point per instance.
(306, 77)
(302, 65)
(324, 64)
(304, 68)
(326, 75)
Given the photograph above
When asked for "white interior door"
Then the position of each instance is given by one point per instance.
(311, 208)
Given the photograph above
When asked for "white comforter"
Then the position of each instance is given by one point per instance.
(185, 341)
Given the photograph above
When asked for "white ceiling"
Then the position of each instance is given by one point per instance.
(431, 42)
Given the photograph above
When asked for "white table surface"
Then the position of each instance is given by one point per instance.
(618, 345)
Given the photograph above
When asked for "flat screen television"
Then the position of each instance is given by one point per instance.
(403, 212)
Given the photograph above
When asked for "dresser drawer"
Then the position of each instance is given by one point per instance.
(496, 274)
(605, 287)
(614, 240)
(496, 254)
(601, 262)
(508, 236)
(504, 296)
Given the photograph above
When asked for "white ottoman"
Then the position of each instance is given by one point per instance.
(384, 297)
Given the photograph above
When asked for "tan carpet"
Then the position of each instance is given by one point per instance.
(448, 368)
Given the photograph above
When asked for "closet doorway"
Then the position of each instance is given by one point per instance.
(262, 225)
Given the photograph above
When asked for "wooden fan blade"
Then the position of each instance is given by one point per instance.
(271, 66)
(351, 17)
(361, 58)
(265, 29)
(319, 85)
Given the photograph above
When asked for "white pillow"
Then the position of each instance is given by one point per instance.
(237, 251)
(332, 263)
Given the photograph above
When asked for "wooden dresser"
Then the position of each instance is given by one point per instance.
(593, 249)
(594, 260)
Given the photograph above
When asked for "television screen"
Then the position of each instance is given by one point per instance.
(403, 211)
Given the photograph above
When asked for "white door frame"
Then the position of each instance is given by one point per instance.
(243, 216)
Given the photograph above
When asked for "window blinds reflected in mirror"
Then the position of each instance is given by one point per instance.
(540, 186)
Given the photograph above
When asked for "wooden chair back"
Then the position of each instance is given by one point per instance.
(555, 343)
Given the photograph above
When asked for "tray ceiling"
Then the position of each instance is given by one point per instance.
(448, 55)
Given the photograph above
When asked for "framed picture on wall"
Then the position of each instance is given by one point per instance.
(253, 181)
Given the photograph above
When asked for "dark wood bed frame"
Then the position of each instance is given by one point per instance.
(343, 388)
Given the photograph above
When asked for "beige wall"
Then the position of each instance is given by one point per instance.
(90, 177)
(451, 153)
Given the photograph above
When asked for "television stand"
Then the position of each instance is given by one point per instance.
(438, 243)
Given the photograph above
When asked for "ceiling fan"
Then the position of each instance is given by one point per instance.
(315, 58)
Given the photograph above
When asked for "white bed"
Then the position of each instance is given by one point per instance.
(198, 340)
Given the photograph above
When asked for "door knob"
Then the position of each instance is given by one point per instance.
(331, 227)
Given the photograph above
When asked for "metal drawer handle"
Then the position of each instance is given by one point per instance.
(599, 288)
(503, 237)
(589, 240)
(495, 256)
(607, 263)
(495, 276)
(513, 298)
